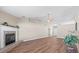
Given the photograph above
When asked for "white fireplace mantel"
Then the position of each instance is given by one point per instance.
(4, 29)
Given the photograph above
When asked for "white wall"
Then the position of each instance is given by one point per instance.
(30, 31)
(27, 31)
(63, 30)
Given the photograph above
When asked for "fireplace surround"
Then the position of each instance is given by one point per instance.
(8, 35)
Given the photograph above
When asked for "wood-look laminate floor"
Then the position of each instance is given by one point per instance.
(43, 45)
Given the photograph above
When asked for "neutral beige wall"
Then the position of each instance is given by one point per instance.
(30, 31)
(27, 31)
(10, 19)
(63, 30)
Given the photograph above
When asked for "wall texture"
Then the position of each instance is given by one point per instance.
(27, 31)
(30, 31)
(63, 30)
(10, 19)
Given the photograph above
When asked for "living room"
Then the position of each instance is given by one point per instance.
(37, 28)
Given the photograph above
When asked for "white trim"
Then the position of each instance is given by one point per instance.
(2, 30)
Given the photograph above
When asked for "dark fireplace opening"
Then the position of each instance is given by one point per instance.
(9, 38)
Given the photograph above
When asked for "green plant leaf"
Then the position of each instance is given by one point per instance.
(71, 39)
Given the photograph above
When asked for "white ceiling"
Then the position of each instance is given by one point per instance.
(59, 14)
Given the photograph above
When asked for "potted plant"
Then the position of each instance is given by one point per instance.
(71, 40)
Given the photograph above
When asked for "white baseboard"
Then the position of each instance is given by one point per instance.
(34, 38)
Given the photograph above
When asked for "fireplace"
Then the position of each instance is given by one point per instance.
(10, 37)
